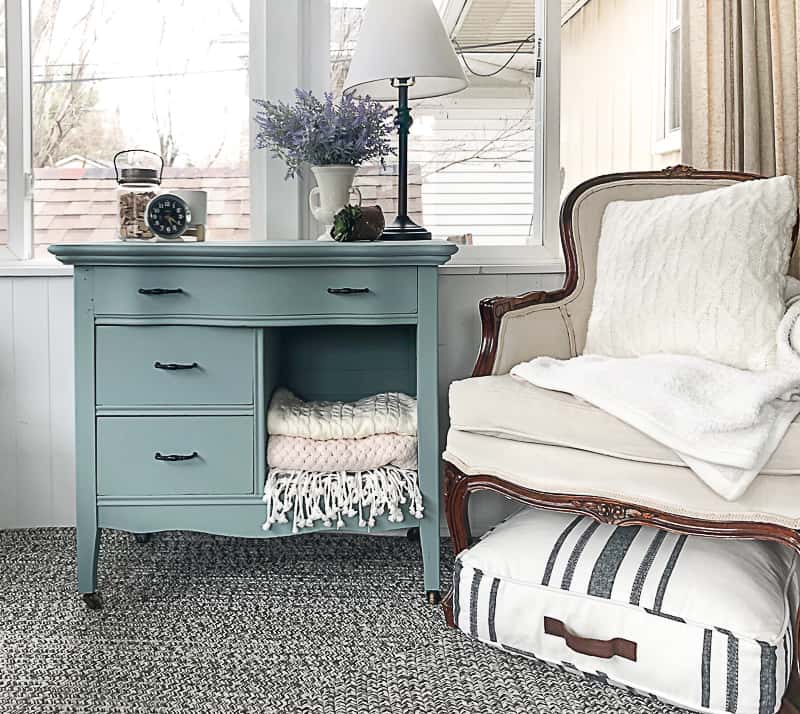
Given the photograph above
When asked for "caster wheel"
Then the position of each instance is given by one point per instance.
(94, 601)
(142, 538)
(434, 597)
(413, 535)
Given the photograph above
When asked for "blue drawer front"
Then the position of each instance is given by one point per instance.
(127, 463)
(255, 291)
(154, 366)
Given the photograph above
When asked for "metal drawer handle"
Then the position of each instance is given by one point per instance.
(605, 649)
(347, 291)
(175, 457)
(160, 291)
(172, 367)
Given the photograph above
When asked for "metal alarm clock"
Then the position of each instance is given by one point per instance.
(177, 214)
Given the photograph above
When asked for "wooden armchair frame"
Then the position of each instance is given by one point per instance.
(459, 486)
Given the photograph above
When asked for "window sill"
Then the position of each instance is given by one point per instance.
(669, 144)
(45, 268)
(536, 267)
(34, 268)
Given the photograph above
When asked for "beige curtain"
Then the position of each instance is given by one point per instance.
(740, 85)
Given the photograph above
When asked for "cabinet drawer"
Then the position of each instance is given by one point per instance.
(251, 292)
(220, 451)
(157, 366)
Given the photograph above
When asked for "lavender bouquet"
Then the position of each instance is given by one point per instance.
(324, 132)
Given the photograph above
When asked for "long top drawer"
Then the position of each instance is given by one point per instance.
(134, 291)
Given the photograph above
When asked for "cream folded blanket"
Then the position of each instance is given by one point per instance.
(296, 453)
(387, 413)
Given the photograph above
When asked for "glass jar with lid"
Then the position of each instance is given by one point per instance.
(138, 174)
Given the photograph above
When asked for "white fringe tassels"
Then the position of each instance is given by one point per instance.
(313, 496)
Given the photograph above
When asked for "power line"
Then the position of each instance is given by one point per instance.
(155, 75)
(514, 54)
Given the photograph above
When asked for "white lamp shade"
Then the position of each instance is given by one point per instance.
(404, 39)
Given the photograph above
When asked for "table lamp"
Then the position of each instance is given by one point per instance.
(404, 51)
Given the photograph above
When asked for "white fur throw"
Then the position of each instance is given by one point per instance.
(295, 453)
(388, 413)
(724, 423)
(700, 274)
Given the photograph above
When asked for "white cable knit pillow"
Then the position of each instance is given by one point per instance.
(699, 274)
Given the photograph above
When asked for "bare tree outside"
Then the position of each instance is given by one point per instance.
(65, 97)
(345, 25)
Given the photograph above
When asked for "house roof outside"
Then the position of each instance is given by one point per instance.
(78, 205)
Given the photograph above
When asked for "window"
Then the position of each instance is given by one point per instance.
(472, 157)
(96, 77)
(156, 75)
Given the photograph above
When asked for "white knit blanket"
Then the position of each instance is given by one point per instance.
(388, 413)
(723, 422)
(296, 453)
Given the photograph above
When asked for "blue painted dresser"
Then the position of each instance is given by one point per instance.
(179, 347)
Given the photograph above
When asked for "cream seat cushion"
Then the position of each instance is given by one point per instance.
(507, 407)
(672, 489)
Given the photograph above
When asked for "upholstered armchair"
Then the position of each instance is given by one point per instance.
(550, 450)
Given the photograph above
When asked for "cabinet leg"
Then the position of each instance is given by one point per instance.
(429, 539)
(412, 534)
(88, 548)
(142, 538)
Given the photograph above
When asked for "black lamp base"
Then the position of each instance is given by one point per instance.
(403, 228)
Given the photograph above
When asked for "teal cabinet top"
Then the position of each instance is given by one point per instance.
(256, 253)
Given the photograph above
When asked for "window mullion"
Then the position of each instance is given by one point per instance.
(259, 160)
(547, 134)
(18, 127)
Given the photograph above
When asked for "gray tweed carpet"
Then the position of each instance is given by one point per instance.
(321, 624)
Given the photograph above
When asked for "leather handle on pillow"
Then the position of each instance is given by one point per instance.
(605, 649)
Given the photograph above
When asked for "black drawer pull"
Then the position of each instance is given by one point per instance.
(175, 457)
(160, 291)
(348, 291)
(172, 367)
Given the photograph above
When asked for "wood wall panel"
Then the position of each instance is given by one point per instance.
(32, 400)
(37, 473)
(8, 455)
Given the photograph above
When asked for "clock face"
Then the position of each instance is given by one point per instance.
(168, 216)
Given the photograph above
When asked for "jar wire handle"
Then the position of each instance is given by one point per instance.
(140, 151)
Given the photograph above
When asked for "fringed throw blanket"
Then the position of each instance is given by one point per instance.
(309, 497)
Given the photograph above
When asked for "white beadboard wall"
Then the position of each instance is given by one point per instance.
(37, 473)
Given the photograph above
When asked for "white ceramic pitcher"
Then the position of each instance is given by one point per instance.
(332, 193)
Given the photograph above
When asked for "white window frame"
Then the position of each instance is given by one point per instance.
(19, 145)
(289, 47)
(543, 253)
(668, 139)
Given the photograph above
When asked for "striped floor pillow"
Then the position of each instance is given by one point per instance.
(701, 623)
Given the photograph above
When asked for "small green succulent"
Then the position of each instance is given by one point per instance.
(344, 224)
(355, 223)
